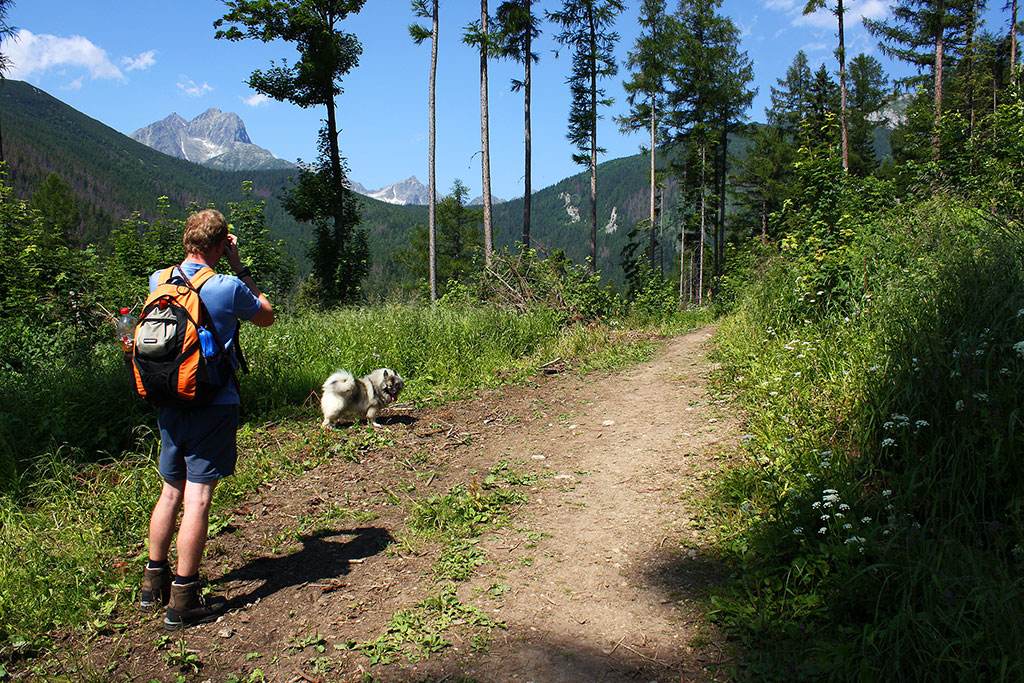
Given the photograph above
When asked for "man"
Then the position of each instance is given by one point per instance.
(197, 447)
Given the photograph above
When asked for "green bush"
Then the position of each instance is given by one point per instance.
(882, 527)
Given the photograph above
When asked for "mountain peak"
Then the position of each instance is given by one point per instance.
(214, 138)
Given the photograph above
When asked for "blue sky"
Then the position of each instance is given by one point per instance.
(129, 63)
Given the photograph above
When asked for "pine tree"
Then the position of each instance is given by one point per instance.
(707, 91)
(823, 104)
(459, 240)
(868, 89)
(649, 62)
(419, 34)
(790, 102)
(58, 209)
(517, 28)
(478, 34)
(839, 11)
(925, 33)
(585, 25)
(326, 54)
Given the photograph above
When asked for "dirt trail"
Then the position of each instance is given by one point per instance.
(600, 576)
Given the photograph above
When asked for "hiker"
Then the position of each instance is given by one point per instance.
(197, 444)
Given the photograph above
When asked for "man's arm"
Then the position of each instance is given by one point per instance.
(265, 316)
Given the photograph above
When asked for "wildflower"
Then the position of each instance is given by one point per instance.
(822, 531)
(847, 526)
(1005, 372)
(887, 492)
(865, 520)
(959, 406)
(921, 423)
(830, 492)
(798, 530)
(981, 397)
(1019, 348)
(886, 443)
(953, 374)
(888, 425)
(844, 507)
(816, 504)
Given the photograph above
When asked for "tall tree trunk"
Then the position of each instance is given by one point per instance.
(842, 88)
(336, 185)
(720, 231)
(485, 140)
(527, 182)
(939, 40)
(682, 243)
(1013, 42)
(593, 148)
(971, 55)
(654, 119)
(432, 200)
(703, 216)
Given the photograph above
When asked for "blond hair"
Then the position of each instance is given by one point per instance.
(204, 230)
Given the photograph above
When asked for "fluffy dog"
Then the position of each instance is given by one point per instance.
(359, 399)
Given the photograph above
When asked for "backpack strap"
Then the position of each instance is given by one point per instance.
(195, 283)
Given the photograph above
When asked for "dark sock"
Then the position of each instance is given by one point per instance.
(156, 564)
(183, 580)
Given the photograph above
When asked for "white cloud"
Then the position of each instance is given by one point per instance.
(853, 13)
(142, 62)
(189, 88)
(32, 55)
(256, 100)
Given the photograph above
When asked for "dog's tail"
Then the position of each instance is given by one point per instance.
(341, 382)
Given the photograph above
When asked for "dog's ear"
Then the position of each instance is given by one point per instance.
(386, 371)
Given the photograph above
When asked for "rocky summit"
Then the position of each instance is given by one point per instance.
(214, 138)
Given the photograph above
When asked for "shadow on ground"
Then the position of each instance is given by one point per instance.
(319, 558)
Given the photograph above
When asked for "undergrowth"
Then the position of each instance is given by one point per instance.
(73, 522)
(882, 536)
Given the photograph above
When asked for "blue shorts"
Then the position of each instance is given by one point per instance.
(198, 445)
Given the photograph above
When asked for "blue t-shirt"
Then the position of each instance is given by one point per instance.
(228, 300)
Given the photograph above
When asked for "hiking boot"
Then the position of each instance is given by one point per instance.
(189, 606)
(156, 587)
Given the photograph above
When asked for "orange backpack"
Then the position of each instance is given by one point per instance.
(177, 360)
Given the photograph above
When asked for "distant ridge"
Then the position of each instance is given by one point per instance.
(214, 138)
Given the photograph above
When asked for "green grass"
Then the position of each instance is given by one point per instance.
(877, 520)
(73, 523)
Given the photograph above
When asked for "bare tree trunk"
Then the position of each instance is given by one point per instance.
(842, 88)
(764, 221)
(703, 215)
(336, 189)
(1013, 43)
(432, 182)
(650, 256)
(485, 140)
(939, 39)
(527, 182)
(593, 149)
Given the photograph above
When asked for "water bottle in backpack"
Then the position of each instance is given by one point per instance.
(126, 330)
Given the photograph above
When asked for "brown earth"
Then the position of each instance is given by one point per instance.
(600, 572)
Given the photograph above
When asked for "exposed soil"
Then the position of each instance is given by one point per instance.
(601, 574)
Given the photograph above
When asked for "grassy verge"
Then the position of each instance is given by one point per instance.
(71, 531)
(881, 530)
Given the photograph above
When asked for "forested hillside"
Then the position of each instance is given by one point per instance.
(112, 176)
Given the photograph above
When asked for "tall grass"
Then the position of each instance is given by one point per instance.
(884, 534)
(73, 519)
